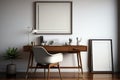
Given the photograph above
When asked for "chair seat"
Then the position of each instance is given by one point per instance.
(54, 58)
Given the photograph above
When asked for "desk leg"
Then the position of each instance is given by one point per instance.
(79, 62)
(29, 63)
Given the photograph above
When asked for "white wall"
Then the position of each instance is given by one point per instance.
(92, 19)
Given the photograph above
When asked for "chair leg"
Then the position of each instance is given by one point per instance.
(59, 71)
(48, 76)
(44, 72)
(35, 68)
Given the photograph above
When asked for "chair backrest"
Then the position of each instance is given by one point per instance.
(40, 54)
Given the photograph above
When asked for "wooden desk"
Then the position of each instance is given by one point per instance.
(62, 49)
(59, 49)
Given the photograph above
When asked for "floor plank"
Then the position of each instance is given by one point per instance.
(65, 76)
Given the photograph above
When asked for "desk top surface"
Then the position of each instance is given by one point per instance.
(64, 49)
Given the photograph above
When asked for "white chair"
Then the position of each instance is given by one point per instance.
(45, 59)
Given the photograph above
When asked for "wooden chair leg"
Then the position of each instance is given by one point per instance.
(44, 73)
(35, 68)
(48, 76)
(59, 71)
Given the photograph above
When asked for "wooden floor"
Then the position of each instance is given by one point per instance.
(65, 76)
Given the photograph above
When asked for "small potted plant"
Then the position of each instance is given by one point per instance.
(11, 54)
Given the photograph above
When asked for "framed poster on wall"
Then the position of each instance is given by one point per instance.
(54, 17)
(101, 55)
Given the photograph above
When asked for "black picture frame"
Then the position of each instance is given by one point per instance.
(53, 17)
(101, 55)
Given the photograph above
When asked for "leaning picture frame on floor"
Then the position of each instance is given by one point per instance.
(101, 55)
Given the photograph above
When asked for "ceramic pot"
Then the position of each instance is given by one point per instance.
(11, 69)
